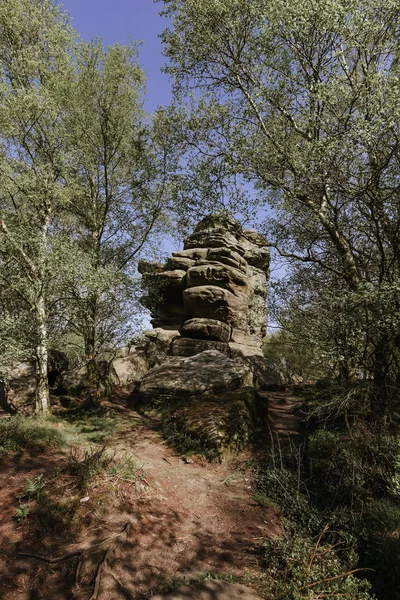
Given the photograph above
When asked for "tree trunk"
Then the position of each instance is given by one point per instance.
(90, 350)
(381, 393)
(42, 382)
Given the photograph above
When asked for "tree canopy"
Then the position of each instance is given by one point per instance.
(302, 100)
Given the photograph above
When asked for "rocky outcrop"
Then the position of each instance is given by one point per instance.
(18, 387)
(206, 329)
(147, 351)
(204, 374)
(220, 423)
(209, 300)
(213, 290)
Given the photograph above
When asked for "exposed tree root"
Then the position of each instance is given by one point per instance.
(74, 553)
(82, 553)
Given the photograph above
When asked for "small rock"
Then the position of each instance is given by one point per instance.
(210, 590)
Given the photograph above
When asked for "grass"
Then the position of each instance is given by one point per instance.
(18, 433)
(60, 430)
(85, 463)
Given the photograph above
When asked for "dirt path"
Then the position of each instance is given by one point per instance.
(195, 517)
(185, 519)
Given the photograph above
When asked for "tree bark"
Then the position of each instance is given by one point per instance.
(90, 349)
(381, 394)
(42, 383)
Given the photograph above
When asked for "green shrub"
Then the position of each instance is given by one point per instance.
(351, 480)
(33, 488)
(21, 512)
(300, 568)
(281, 487)
(383, 517)
(379, 547)
(353, 468)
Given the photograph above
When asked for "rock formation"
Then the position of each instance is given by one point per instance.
(212, 293)
(208, 307)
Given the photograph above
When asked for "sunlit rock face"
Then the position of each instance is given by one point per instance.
(213, 293)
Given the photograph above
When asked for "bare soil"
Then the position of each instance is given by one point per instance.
(179, 519)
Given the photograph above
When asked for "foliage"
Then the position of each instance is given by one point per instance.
(121, 193)
(344, 483)
(301, 100)
(33, 488)
(87, 184)
(35, 71)
(21, 512)
(292, 356)
(304, 563)
(352, 469)
(301, 568)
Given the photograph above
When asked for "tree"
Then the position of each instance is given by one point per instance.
(35, 64)
(302, 100)
(121, 182)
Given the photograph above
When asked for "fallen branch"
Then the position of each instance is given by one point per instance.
(347, 574)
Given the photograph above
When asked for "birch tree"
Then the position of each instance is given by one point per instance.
(35, 39)
(122, 180)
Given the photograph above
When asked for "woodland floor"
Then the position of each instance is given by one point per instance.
(177, 520)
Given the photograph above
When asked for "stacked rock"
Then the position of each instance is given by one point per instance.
(212, 293)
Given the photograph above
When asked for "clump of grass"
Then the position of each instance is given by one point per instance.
(85, 463)
(123, 467)
(17, 433)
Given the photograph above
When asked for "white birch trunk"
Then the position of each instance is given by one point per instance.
(42, 382)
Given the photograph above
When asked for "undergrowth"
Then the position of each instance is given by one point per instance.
(18, 433)
(339, 497)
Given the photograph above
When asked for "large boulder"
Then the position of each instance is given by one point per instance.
(220, 424)
(212, 302)
(206, 329)
(205, 374)
(74, 382)
(148, 350)
(19, 381)
(210, 590)
(130, 368)
(228, 257)
(190, 347)
(224, 276)
(19, 387)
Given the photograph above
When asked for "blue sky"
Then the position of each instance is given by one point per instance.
(121, 21)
